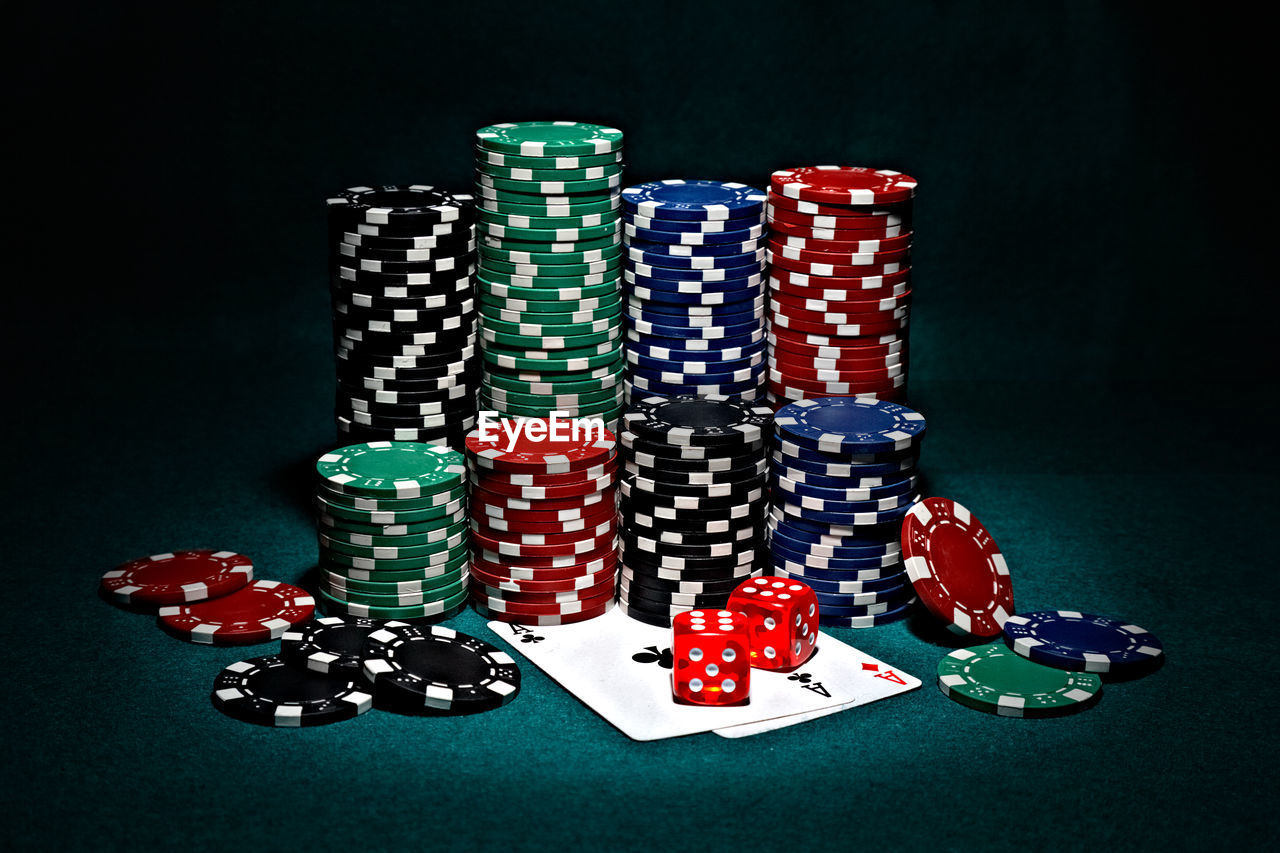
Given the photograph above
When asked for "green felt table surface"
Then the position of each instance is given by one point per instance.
(1091, 341)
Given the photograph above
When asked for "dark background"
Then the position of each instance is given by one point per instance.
(1091, 340)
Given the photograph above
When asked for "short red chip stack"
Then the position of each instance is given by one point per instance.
(840, 290)
(543, 520)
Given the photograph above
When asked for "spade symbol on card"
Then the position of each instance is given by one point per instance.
(652, 654)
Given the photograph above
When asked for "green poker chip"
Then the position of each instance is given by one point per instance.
(516, 220)
(607, 379)
(502, 396)
(525, 174)
(442, 609)
(541, 206)
(610, 268)
(553, 343)
(995, 679)
(559, 365)
(391, 469)
(440, 548)
(549, 138)
(408, 574)
(595, 286)
(375, 540)
(335, 580)
(520, 312)
(507, 233)
(530, 198)
(591, 251)
(535, 352)
(424, 508)
(546, 162)
(399, 528)
(611, 320)
(552, 187)
(407, 598)
(604, 411)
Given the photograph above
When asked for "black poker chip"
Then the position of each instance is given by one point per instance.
(705, 520)
(639, 614)
(633, 442)
(644, 500)
(663, 536)
(269, 691)
(412, 206)
(631, 538)
(715, 488)
(698, 421)
(659, 584)
(331, 644)
(453, 236)
(424, 281)
(737, 562)
(436, 669)
(638, 454)
(457, 247)
(644, 595)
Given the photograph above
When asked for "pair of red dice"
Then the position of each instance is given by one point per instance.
(769, 623)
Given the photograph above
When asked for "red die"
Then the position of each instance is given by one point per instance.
(711, 657)
(782, 618)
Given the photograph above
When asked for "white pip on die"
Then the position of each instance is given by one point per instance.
(782, 621)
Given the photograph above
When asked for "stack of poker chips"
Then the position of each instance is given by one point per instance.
(843, 479)
(543, 521)
(550, 249)
(404, 314)
(695, 289)
(393, 532)
(839, 282)
(694, 494)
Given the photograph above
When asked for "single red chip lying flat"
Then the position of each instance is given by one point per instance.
(844, 185)
(956, 568)
(569, 450)
(177, 577)
(259, 612)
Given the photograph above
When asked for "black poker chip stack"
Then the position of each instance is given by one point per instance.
(694, 497)
(401, 277)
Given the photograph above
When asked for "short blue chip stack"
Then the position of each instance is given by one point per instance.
(843, 478)
(694, 272)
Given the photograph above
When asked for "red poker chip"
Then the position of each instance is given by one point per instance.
(856, 348)
(889, 214)
(855, 245)
(868, 385)
(499, 506)
(540, 493)
(565, 452)
(802, 294)
(850, 284)
(604, 586)
(779, 248)
(784, 394)
(784, 358)
(562, 619)
(504, 526)
(955, 567)
(867, 227)
(852, 185)
(843, 306)
(565, 478)
(544, 561)
(822, 333)
(522, 572)
(173, 578)
(256, 613)
(500, 581)
(809, 232)
(548, 535)
(832, 318)
(811, 373)
(831, 270)
(493, 500)
(554, 608)
(579, 543)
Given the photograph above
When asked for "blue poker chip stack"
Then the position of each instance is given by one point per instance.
(694, 273)
(843, 477)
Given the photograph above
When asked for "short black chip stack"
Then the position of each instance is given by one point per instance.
(694, 497)
(404, 314)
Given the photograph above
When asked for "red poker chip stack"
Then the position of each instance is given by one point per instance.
(840, 283)
(543, 520)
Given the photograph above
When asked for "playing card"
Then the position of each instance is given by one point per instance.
(621, 668)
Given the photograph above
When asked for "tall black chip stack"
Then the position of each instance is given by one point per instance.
(401, 269)
(694, 498)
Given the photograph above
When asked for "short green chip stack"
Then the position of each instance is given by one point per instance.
(394, 538)
(548, 215)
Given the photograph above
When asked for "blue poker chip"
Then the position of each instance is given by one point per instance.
(651, 349)
(885, 504)
(1083, 642)
(708, 280)
(700, 239)
(694, 295)
(853, 519)
(700, 389)
(870, 550)
(848, 587)
(694, 345)
(841, 621)
(750, 373)
(746, 306)
(732, 287)
(781, 549)
(694, 200)
(693, 226)
(851, 425)
(806, 459)
(693, 368)
(711, 332)
(750, 265)
(824, 533)
(802, 571)
(684, 320)
(879, 608)
(873, 487)
(672, 254)
(840, 600)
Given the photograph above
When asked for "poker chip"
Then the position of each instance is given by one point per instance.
(269, 691)
(256, 613)
(845, 185)
(404, 312)
(436, 670)
(386, 469)
(956, 567)
(331, 644)
(1083, 642)
(546, 619)
(994, 679)
(176, 577)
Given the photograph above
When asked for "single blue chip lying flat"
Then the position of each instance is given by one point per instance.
(1082, 642)
(693, 200)
(850, 425)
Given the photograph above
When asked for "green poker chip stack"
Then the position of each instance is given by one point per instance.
(393, 531)
(550, 269)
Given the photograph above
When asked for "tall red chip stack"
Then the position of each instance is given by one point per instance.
(543, 519)
(840, 282)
